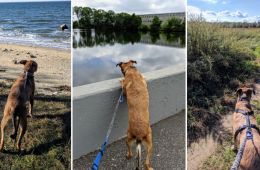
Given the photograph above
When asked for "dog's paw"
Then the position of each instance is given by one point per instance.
(29, 115)
(129, 155)
(13, 136)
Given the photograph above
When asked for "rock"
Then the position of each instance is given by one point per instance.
(5, 50)
(64, 27)
(32, 56)
(15, 61)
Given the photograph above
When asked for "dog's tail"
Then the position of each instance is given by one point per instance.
(138, 153)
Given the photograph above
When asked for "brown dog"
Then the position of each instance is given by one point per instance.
(251, 156)
(21, 92)
(135, 89)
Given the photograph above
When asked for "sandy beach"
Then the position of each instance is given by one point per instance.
(54, 74)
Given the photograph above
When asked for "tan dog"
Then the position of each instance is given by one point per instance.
(135, 89)
(21, 92)
(251, 156)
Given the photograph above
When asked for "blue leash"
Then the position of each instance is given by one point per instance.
(249, 136)
(98, 158)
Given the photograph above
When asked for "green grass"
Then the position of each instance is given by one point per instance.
(222, 159)
(219, 59)
(47, 140)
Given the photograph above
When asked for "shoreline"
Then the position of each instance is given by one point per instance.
(53, 76)
(35, 46)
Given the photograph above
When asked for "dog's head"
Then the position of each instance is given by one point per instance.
(244, 93)
(29, 65)
(126, 65)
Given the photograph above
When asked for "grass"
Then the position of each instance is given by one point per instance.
(222, 159)
(47, 140)
(219, 60)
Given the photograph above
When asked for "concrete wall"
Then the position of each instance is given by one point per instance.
(93, 105)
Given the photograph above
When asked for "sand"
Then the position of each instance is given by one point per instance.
(54, 67)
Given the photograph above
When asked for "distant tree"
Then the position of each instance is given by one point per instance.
(77, 11)
(156, 24)
(174, 24)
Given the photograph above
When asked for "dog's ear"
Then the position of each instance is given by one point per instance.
(239, 91)
(22, 62)
(133, 61)
(119, 64)
(252, 90)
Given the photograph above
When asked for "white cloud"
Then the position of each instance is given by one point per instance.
(135, 6)
(225, 15)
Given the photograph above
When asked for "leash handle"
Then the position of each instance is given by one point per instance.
(99, 157)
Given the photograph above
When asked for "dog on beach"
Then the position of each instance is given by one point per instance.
(22, 92)
(251, 156)
(135, 89)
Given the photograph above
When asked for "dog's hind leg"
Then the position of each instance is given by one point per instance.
(149, 147)
(4, 121)
(129, 142)
(23, 127)
(15, 124)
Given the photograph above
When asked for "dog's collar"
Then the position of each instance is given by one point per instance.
(29, 74)
(130, 67)
(244, 112)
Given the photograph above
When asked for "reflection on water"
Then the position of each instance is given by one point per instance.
(90, 38)
(96, 54)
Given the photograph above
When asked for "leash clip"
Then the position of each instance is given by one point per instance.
(121, 99)
(249, 134)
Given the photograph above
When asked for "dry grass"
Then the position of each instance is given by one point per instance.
(47, 140)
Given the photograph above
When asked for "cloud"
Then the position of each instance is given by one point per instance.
(135, 6)
(239, 14)
(212, 16)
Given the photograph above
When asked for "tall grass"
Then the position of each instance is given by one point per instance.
(219, 59)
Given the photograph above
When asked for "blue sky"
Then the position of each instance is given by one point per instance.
(226, 10)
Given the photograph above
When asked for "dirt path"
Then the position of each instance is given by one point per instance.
(199, 151)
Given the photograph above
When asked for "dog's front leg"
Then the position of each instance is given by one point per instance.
(31, 106)
(123, 86)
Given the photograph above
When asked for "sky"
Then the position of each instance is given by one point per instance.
(29, 0)
(135, 6)
(226, 10)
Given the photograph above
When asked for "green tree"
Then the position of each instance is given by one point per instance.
(156, 24)
(174, 24)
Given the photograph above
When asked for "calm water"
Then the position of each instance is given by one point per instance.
(35, 23)
(96, 54)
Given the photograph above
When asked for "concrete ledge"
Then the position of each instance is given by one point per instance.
(93, 105)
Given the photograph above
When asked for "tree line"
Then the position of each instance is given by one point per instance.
(98, 19)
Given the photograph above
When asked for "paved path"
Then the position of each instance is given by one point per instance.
(168, 154)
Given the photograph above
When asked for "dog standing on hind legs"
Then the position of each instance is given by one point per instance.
(139, 130)
(21, 92)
